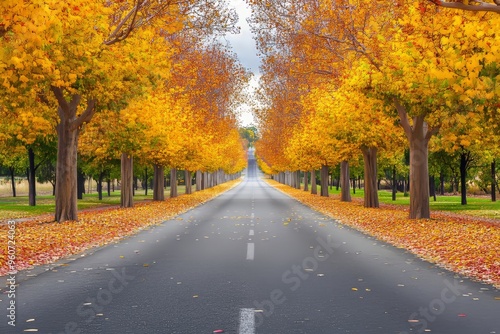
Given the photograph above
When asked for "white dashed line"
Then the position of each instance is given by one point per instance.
(247, 321)
(251, 232)
(250, 251)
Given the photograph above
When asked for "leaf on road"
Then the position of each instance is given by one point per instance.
(465, 244)
(41, 241)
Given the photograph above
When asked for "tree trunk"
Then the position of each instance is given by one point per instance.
(354, 185)
(324, 180)
(127, 183)
(146, 181)
(441, 184)
(66, 172)
(493, 181)
(432, 187)
(13, 180)
(188, 181)
(314, 186)
(463, 177)
(198, 180)
(173, 183)
(158, 181)
(370, 177)
(68, 130)
(80, 179)
(31, 177)
(419, 176)
(306, 181)
(108, 181)
(345, 191)
(99, 185)
(394, 183)
(418, 135)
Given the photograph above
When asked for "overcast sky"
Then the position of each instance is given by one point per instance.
(244, 46)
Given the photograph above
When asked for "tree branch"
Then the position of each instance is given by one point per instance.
(478, 6)
(403, 118)
(117, 35)
(58, 93)
(63, 109)
(431, 132)
(87, 115)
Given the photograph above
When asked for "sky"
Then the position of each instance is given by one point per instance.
(244, 46)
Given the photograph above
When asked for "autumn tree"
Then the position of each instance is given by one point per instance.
(416, 59)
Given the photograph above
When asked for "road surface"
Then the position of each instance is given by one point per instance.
(251, 261)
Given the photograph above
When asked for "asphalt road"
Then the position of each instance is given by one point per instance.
(250, 261)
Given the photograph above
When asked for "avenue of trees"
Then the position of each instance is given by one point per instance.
(98, 87)
(398, 88)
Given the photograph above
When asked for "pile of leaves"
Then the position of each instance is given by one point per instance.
(460, 243)
(42, 241)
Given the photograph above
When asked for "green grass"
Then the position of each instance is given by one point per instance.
(477, 206)
(17, 207)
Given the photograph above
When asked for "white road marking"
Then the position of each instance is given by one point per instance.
(250, 251)
(252, 232)
(247, 321)
(252, 215)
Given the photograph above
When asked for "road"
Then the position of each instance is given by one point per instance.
(250, 261)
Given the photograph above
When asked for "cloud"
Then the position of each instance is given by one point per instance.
(243, 43)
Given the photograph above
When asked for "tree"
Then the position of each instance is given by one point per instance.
(78, 56)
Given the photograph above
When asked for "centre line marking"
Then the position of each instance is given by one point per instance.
(252, 215)
(251, 232)
(250, 251)
(247, 321)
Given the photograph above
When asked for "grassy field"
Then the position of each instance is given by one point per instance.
(476, 206)
(17, 207)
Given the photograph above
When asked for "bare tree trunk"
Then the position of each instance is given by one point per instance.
(418, 135)
(146, 181)
(345, 191)
(324, 180)
(173, 183)
(66, 176)
(493, 181)
(188, 182)
(306, 181)
(463, 177)
(32, 177)
(68, 130)
(370, 177)
(100, 178)
(198, 180)
(80, 186)
(127, 181)
(13, 180)
(441, 184)
(394, 183)
(432, 187)
(108, 180)
(314, 186)
(158, 182)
